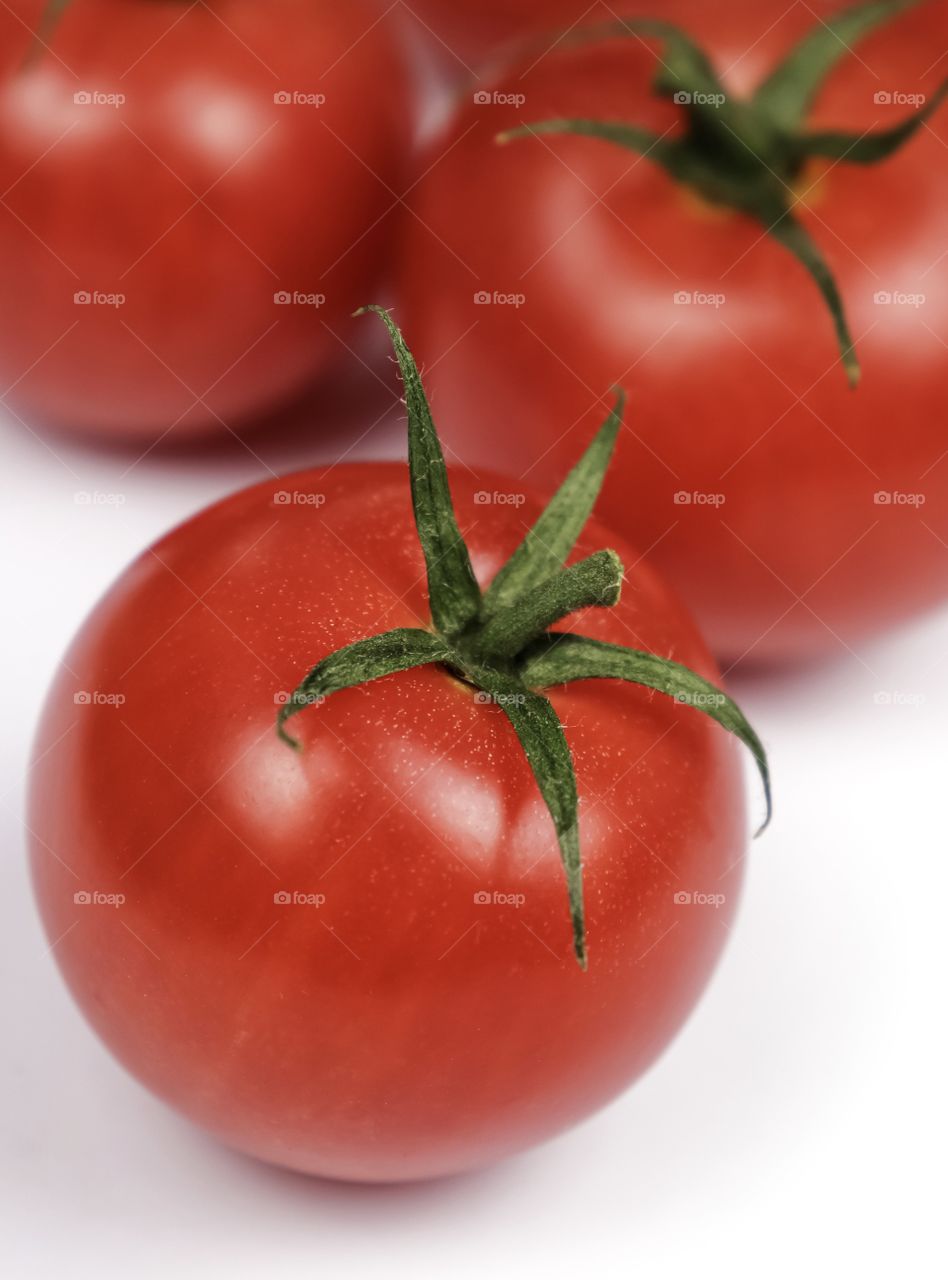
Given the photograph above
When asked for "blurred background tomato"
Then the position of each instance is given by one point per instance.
(194, 199)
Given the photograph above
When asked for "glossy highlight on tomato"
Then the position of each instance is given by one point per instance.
(195, 198)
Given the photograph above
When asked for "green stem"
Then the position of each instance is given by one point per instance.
(501, 644)
(596, 580)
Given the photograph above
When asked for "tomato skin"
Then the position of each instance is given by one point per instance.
(402, 1029)
(475, 29)
(198, 199)
(478, 30)
(745, 399)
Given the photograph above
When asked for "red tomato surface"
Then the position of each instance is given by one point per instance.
(796, 516)
(470, 30)
(175, 203)
(422, 1012)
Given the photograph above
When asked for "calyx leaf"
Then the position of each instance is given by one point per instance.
(501, 644)
(877, 144)
(545, 548)
(360, 662)
(453, 593)
(560, 657)
(789, 91)
(544, 743)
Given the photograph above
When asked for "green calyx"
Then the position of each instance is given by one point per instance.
(52, 11)
(499, 641)
(748, 154)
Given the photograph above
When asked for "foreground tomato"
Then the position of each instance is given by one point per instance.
(194, 198)
(355, 959)
(795, 514)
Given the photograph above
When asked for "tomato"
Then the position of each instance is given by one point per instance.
(194, 200)
(796, 516)
(355, 959)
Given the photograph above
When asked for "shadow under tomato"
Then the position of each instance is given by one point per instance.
(379, 1198)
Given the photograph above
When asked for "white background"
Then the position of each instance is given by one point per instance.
(797, 1125)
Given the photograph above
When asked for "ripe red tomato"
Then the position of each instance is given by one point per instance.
(356, 960)
(193, 199)
(796, 516)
